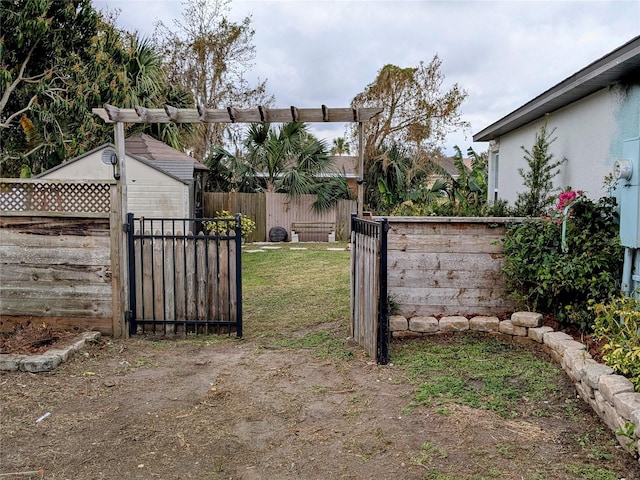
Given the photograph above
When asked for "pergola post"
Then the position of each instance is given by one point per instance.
(360, 170)
(122, 304)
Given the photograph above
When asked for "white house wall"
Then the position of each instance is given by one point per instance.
(150, 193)
(589, 134)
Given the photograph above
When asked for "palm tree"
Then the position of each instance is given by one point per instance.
(149, 88)
(340, 147)
(287, 159)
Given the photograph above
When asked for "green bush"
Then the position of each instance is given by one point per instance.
(546, 279)
(617, 326)
(226, 222)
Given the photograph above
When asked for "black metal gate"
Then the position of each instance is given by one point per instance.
(369, 302)
(185, 275)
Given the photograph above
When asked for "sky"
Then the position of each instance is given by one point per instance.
(503, 53)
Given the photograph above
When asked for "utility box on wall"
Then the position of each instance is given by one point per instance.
(627, 172)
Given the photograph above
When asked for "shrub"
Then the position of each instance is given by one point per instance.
(617, 324)
(544, 278)
(225, 222)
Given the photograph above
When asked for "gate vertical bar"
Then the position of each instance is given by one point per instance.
(383, 302)
(130, 314)
(238, 239)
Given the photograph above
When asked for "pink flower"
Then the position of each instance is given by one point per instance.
(565, 198)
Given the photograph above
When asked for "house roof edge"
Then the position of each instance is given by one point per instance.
(603, 72)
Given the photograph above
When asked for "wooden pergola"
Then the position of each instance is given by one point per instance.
(260, 114)
(120, 116)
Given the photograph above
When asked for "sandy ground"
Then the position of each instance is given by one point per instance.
(236, 409)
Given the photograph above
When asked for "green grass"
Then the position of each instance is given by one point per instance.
(287, 293)
(591, 472)
(477, 371)
(299, 299)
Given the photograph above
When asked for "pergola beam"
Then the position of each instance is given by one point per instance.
(169, 114)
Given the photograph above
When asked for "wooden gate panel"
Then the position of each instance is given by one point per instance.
(369, 315)
(184, 283)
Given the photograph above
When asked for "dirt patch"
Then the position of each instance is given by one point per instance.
(31, 338)
(236, 409)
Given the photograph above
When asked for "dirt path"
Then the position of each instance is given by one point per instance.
(237, 410)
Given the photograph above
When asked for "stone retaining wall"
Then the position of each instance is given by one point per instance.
(611, 396)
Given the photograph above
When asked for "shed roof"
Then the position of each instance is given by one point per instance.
(151, 152)
(166, 157)
(621, 64)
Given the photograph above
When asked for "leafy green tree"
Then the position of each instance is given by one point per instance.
(149, 87)
(399, 182)
(466, 191)
(60, 59)
(44, 43)
(286, 159)
(544, 277)
(417, 115)
(207, 55)
(539, 177)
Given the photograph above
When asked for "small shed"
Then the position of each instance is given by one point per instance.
(161, 181)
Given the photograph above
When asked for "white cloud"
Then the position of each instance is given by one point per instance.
(504, 53)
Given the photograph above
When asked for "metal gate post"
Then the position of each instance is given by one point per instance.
(383, 301)
(238, 240)
(129, 314)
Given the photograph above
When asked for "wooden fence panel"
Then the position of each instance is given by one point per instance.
(251, 205)
(56, 270)
(270, 210)
(447, 266)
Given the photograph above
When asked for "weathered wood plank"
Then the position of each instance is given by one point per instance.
(43, 275)
(201, 272)
(447, 296)
(448, 243)
(223, 281)
(468, 311)
(444, 278)
(191, 286)
(146, 294)
(169, 279)
(180, 279)
(157, 278)
(454, 229)
(436, 261)
(84, 305)
(101, 324)
(111, 114)
(95, 255)
(55, 225)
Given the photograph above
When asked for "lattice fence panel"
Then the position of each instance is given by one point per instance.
(43, 196)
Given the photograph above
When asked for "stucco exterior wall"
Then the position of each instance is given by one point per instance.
(150, 193)
(589, 134)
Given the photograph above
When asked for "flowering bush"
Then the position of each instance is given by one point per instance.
(226, 222)
(543, 277)
(567, 197)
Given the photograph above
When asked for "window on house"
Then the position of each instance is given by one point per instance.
(494, 174)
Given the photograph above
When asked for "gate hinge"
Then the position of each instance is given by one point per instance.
(128, 315)
(125, 228)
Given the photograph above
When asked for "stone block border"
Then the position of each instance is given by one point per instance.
(611, 396)
(49, 359)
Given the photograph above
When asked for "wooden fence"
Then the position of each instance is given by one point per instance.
(56, 249)
(447, 265)
(270, 210)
